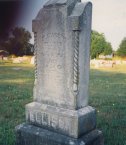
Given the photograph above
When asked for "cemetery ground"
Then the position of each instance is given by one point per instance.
(107, 95)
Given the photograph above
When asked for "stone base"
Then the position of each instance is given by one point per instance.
(73, 123)
(27, 134)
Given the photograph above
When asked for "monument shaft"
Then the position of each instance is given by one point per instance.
(63, 45)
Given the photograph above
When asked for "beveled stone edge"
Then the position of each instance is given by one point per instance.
(51, 3)
(52, 109)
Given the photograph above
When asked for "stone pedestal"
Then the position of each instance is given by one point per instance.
(32, 135)
(73, 123)
(60, 114)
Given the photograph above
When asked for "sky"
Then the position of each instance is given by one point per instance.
(109, 17)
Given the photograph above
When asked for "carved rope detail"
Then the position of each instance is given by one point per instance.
(35, 54)
(76, 62)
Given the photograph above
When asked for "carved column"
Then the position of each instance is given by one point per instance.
(35, 54)
(76, 61)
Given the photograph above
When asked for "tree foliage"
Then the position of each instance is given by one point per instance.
(108, 49)
(99, 45)
(122, 48)
(19, 42)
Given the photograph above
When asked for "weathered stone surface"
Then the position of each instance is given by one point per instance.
(62, 41)
(60, 114)
(73, 123)
(32, 135)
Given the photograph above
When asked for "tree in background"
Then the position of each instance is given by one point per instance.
(108, 49)
(122, 48)
(19, 42)
(99, 45)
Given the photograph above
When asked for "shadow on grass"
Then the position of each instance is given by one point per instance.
(16, 85)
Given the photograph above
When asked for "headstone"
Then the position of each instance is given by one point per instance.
(32, 60)
(60, 113)
(124, 62)
(5, 58)
(17, 60)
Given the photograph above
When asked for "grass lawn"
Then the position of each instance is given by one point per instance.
(16, 83)
(107, 95)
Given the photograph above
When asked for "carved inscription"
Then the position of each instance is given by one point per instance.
(53, 121)
(53, 50)
(32, 117)
(38, 118)
(52, 64)
(45, 119)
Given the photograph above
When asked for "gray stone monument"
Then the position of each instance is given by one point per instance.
(60, 114)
